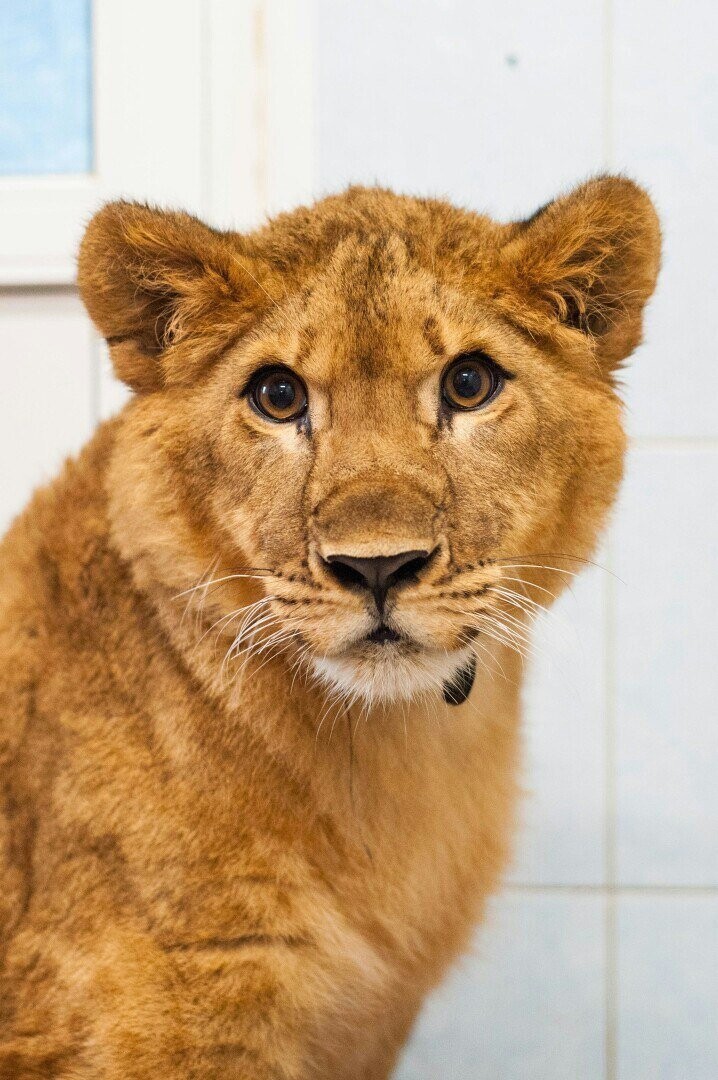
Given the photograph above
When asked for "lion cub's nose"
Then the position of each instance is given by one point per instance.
(378, 574)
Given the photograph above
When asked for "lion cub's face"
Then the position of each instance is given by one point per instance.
(397, 416)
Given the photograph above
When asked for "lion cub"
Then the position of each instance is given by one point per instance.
(260, 643)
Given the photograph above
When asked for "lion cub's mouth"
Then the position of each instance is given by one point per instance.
(383, 634)
(386, 664)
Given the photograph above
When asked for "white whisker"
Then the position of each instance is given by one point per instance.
(218, 581)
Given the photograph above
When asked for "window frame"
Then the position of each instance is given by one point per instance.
(213, 115)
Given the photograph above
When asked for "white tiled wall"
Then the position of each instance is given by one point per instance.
(664, 128)
(665, 636)
(530, 1001)
(563, 838)
(600, 958)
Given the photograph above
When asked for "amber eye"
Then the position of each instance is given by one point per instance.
(278, 394)
(469, 382)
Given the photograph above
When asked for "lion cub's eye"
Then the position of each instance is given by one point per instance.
(469, 382)
(278, 394)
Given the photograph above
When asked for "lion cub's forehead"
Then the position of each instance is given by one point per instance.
(373, 309)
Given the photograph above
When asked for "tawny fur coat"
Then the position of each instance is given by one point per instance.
(244, 825)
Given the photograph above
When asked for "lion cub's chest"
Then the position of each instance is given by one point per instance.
(340, 898)
(423, 836)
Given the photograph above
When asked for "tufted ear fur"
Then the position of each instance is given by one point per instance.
(587, 262)
(167, 292)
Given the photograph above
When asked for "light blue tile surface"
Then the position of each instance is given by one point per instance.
(45, 87)
(666, 545)
(668, 988)
(528, 1006)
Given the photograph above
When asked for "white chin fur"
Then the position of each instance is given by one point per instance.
(390, 676)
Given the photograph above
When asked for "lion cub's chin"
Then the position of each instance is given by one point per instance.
(386, 674)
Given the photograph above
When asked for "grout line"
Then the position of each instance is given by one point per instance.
(608, 132)
(610, 1002)
(261, 106)
(205, 108)
(612, 890)
(611, 1007)
(673, 442)
(611, 824)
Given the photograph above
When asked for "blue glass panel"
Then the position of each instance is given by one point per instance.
(45, 86)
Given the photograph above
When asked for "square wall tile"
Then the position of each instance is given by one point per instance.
(46, 406)
(561, 840)
(666, 677)
(665, 134)
(493, 106)
(529, 1005)
(668, 987)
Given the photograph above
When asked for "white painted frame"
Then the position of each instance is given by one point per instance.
(212, 113)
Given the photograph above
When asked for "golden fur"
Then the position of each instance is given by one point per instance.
(238, 841)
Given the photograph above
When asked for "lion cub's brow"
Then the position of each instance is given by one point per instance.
(411, 337)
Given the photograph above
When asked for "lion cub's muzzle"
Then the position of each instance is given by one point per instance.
(376, 535)
(386, 629)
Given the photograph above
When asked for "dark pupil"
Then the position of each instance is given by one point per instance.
(281, 393)
(468, 382)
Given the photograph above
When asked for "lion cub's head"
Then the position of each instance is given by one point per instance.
(368, 430)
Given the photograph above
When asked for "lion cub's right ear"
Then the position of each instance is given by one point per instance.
(167, 292)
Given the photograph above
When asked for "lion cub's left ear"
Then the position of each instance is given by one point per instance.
(588, 262)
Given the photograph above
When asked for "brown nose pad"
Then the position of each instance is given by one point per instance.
(377, 574)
